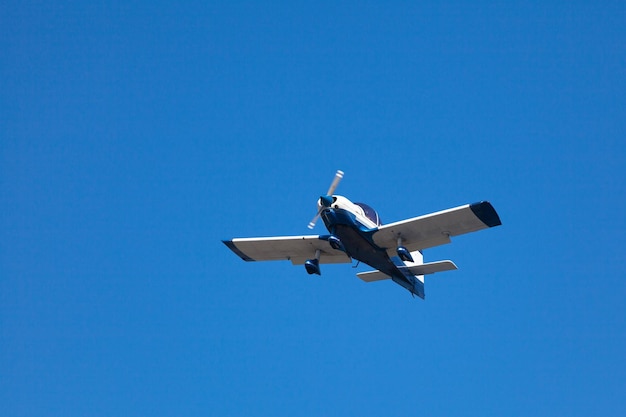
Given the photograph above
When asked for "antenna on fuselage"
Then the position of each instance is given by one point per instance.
(323, 202)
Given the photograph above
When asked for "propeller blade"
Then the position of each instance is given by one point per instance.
(331, 190)
(335, 183)
(312, 222)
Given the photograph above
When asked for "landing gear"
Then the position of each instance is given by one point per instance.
(403, 252)
(335, 243)
(312, 266)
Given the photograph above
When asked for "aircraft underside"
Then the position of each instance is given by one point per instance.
(394, 249)
(361, 249)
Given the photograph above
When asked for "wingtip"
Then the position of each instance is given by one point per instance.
(486, 213)
(235, 249)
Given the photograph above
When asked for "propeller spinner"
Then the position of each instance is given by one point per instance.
(326, 200)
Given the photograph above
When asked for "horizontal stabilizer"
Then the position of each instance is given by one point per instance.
(423, 269)
(432, 267)
(371, 276)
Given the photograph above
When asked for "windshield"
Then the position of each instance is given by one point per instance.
(370, 213)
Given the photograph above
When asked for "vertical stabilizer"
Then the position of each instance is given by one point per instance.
(418, 258)
(413, 283)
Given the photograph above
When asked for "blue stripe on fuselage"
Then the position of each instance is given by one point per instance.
(358, 243)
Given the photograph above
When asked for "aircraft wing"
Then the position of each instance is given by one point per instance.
(436, 228)
(296, 249)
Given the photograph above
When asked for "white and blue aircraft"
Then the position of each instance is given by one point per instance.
(394, 250)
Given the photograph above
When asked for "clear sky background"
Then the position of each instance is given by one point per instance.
(134, 136)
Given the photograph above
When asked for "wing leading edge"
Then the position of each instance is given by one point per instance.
(436, 228)
(296, 249)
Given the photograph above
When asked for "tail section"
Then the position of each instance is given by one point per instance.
(411, 283)
(418, 275)
(410, 275)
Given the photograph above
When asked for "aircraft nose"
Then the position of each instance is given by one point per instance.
(326, 200)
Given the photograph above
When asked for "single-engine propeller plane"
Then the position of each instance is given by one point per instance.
(394, 250)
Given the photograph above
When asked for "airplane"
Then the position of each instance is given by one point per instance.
(355, 231)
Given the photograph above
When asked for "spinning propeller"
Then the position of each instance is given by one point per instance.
(327, 200)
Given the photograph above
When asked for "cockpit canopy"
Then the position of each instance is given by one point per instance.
(370, 213)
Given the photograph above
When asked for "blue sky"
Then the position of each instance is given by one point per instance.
(134, 136)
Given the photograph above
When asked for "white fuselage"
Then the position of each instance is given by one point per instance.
(341, 202)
